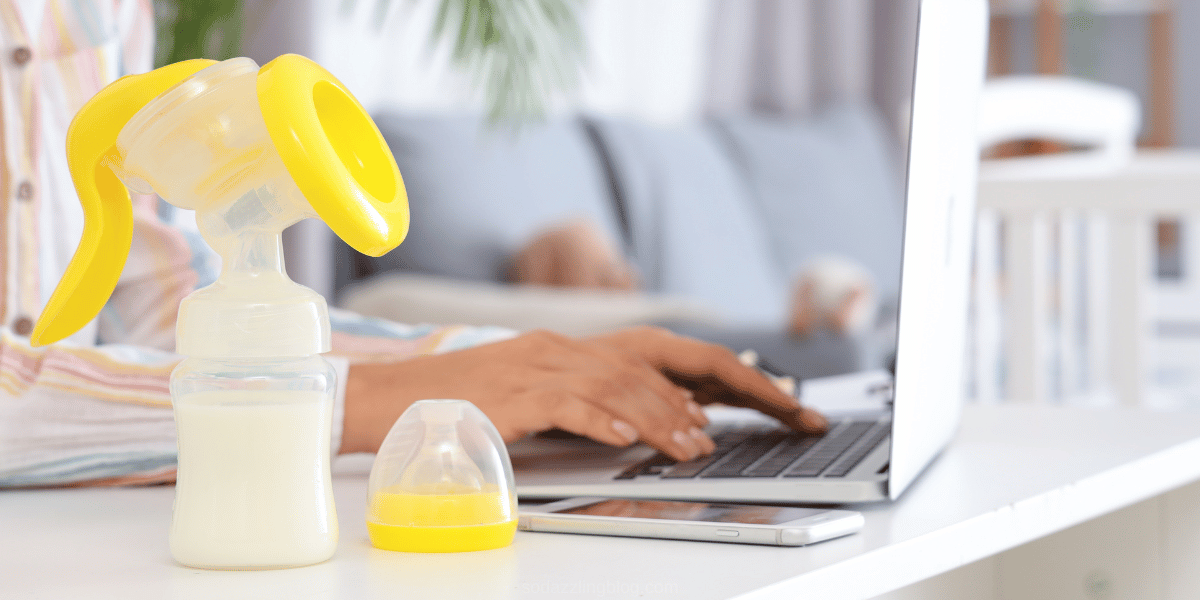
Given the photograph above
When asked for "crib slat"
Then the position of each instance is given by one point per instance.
(987, 335)
(1130, 268)
(1069, 282)
(1096, 306)
(1027, 261)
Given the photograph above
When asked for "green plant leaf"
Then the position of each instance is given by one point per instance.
(187, 29)
(520, 52)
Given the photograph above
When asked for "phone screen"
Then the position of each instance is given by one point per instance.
(692, 511)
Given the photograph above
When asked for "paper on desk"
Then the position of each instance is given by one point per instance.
(865, 391)
(852, 392)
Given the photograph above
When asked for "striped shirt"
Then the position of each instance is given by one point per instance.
(95, 409)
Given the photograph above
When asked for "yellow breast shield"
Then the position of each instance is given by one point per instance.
(252, 151)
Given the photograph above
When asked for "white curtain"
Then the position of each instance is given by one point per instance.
(790, 57)
(647, 59)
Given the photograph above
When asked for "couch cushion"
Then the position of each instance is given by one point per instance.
(478, 195)
(825, 185)
(412, 298)
(693, 228)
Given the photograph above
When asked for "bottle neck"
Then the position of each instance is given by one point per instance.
(253, 310)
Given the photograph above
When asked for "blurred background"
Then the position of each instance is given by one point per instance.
(734, 169)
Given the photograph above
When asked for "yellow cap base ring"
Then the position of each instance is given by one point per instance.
(468, 538)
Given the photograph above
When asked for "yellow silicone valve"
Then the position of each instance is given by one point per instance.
(334, 153)
(96, 266)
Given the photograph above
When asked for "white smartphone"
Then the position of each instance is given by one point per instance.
(700, 521)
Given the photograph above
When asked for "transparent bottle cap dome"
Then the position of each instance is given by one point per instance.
(442, 482)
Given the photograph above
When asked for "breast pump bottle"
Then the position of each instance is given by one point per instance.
(252, 151)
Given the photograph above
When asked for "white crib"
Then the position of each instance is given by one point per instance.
(1065, 292)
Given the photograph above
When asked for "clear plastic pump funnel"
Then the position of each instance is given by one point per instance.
(442, 482)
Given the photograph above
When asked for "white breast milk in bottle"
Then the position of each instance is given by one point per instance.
(254, 487)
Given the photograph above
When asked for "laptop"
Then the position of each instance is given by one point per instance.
(868, 454)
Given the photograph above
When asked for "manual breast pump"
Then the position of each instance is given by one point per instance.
(252, 151)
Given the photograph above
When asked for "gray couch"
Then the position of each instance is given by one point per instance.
(722, 213)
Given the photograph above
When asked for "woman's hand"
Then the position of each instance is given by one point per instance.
(713, 374)
(637, 384)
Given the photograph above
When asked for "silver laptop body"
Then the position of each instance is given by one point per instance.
(888, 448)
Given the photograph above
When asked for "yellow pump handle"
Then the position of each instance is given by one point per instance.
(96, 266)
(334, 153)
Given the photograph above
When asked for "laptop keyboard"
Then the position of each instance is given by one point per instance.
(772, 453)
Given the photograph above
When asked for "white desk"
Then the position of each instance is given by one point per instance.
(1013, 475)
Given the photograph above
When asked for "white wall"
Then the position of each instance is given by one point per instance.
(644, 59)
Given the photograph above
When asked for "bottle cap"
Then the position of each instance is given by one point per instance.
(442, 482)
